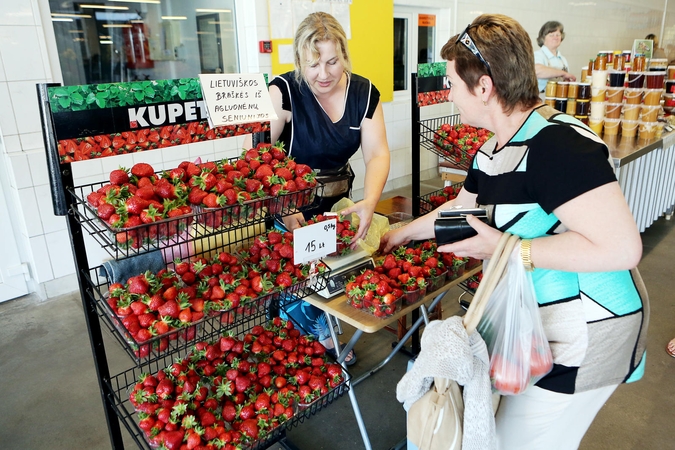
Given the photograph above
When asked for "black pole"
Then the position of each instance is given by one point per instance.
(61, 179)
(415, 143)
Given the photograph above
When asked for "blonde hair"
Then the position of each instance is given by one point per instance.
(319, 27)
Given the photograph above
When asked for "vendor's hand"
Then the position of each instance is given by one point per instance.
(365, 212)
(569, 77)
(393, 239)
(295, 221)
(481, 246)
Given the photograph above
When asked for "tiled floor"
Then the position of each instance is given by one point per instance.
(50, 398)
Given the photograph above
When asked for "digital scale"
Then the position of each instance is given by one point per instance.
(342, 268)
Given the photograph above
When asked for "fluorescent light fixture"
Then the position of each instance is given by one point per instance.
(105, 37)
(105, 42)
(76, 16)
(116, 25)
(61, 19)
(154, 2)
(206, 32)
(136, 21)
(79, 39)
(213, 10)
(121, 8)
(75, 31)
(174, 17)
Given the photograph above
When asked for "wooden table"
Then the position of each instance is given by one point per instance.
(364, 322)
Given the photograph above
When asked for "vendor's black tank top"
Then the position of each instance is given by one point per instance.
(311, 137)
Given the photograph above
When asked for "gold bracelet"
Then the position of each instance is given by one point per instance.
(526, 254)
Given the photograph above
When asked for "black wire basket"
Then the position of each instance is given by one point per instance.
(119, 387)
(432, 200)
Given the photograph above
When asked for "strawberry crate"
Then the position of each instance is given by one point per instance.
(178, 339)
(414, 296)
(456, 270)
(454, 142)
(434, 199)
(436, 282)
(129, 397)
(375, 306)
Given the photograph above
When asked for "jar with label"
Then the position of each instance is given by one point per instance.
(590, 68)
(600, 62)
(639, 63)
(619, 62)
(551, 88)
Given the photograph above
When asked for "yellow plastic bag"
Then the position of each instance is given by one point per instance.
(378, 227)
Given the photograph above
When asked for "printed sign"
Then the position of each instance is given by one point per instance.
(314, 241)
(236, 98)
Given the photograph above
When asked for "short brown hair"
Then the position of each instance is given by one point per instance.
(550, 27)
(315, 28)
(506, 46)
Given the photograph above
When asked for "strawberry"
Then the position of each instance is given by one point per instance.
(119, 176)
(142, 170)
(249, 428)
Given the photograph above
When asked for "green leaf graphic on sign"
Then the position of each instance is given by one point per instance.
(64, 102)
(76, 98)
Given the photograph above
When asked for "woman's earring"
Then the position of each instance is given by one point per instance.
(484, 103)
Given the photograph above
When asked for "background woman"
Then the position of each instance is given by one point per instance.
(547, 177)
(549, 63)
(325, 113)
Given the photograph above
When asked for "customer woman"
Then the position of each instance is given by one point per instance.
(549, 63)
(325, 113)
(547, 178)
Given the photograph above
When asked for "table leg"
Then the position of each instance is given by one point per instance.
(342, 355)
(413, 328)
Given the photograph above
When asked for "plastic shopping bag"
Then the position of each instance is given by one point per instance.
(379, 226)
(512, 329)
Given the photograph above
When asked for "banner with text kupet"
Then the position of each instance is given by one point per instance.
(99, 120)
(433, 85)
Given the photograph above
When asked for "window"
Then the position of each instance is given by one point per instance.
(412, 31)
(123, 40)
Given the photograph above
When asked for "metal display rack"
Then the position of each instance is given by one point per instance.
(424, 136)
(247, 221)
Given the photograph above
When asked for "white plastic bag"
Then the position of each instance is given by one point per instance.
(512, 329)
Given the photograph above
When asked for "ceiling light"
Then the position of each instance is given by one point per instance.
(121, 8)
(76, 16)
(136, 21)
(116, 25)
(104, 37)
(105, 42)
(154, 2)
(213, 10)
(75, 31)
(61, 19)
(174, 18)
(79, 39)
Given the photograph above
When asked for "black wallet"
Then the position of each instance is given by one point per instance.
(451, 225)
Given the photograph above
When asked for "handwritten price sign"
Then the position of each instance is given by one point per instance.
(314, 241)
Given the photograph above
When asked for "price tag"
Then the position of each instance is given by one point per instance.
(233, 98)
(314, 241)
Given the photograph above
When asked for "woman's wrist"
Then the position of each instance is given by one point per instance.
(526, 254)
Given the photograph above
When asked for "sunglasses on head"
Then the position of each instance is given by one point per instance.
(465, 39)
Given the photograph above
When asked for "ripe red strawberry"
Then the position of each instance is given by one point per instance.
(138, 285)
(284, 280)
(105, 211)
(302, 169)
(249, 428)
(119, 176)
(170, 308)
(196, 196)
(136, 205)
(283, 172)
(142, 170)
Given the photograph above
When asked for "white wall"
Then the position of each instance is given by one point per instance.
(28, 56)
